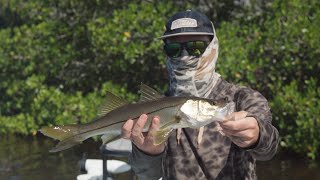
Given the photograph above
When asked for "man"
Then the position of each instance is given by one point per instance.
(226, 150)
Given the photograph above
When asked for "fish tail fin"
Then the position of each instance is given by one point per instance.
(68, 136)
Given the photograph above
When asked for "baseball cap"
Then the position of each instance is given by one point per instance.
(188, 23)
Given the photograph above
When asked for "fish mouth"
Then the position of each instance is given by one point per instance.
(198, 113)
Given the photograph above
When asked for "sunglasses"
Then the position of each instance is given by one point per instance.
(194, 48)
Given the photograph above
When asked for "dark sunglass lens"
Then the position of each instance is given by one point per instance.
(172, 49)
(196, 48)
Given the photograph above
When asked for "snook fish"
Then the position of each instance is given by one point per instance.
(174, 112)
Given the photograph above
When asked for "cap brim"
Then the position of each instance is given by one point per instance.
(185, 33)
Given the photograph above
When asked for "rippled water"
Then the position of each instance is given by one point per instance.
(24, 158)
(286, 166)
(28, 158)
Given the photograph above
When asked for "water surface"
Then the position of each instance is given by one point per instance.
(27, 158)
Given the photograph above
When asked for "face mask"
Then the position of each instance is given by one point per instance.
(190, 75)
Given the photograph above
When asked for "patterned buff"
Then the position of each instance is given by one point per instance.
(194, 76)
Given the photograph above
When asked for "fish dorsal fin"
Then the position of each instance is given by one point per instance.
(148, 94)
(111, 102)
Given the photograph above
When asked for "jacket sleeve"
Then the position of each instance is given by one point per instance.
(146, 167)
(257, 106)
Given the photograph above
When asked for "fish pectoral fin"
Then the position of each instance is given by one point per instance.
(161, 136)
(106, 138)
(163, 133)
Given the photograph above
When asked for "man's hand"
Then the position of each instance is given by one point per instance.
(242, 130)
(144, 141)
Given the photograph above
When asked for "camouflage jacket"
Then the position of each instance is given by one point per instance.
(216, 157)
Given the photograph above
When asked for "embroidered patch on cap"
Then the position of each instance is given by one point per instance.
(183, 22)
